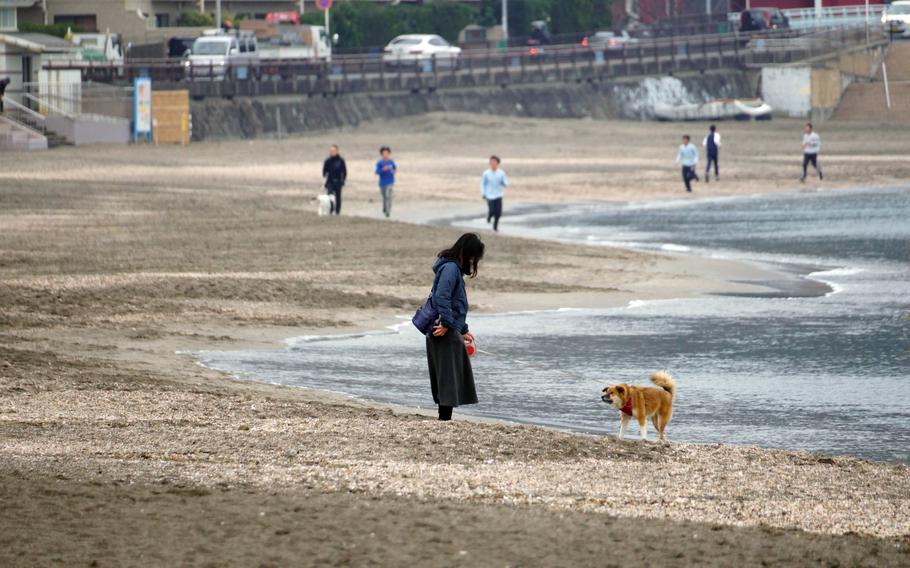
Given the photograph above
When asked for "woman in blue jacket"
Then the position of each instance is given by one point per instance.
(451, 377)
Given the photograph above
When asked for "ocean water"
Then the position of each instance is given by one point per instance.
(820, 363)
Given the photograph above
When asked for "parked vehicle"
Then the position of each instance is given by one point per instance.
(609, 40)
(283, 39)
(99, 47)
(761, 19)
(896, 18)
(540, 34)
(217, 55)
(178, 47)
(412, 48)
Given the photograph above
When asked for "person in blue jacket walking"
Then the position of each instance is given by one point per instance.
(492, 183)
(385, 169)
(451, 376)
(687, 156)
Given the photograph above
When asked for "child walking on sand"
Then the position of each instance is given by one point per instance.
(687, 155)
(492, 183)
(385, 169)
(712, 153)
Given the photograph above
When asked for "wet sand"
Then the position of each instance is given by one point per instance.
(118, 451)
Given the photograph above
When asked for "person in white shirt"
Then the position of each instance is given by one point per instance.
(712, 151)
(687, 156)
(812, 143)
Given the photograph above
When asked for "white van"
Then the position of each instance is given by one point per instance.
(217, 55)
(896, 18)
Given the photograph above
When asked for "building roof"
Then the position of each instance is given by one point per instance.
(39, 43)
(17, 3)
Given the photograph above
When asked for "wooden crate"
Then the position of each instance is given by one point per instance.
(171, 117)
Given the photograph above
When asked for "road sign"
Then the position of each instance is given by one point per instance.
(323, 4)
(142, 108)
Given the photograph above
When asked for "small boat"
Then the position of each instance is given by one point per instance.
(718, 109)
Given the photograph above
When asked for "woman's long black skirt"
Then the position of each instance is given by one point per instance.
(451, 377)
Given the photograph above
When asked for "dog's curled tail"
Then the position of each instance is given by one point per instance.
(665, 381)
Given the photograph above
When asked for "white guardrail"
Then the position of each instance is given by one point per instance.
(830, 17)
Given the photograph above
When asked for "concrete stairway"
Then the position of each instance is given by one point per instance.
(14, 136)
(866, 101)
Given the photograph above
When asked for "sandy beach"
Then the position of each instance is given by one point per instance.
(115, 450)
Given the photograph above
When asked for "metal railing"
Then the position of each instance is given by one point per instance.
(829, 17)
(79, 99)
(24, 116)
(358, 73)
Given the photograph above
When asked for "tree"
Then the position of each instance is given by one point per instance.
(196, 20)
(363, 24)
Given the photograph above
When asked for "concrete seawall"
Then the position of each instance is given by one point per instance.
(252, 117)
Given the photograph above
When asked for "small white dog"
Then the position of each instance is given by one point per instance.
(326, 204)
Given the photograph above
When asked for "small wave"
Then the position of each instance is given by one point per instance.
(836, 288)
(294, 342)
(669, 247)
(838, 272)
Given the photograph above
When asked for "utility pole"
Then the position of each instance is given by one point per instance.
(867, 22)
(218, 14)
(328, 36)
(302, 7)
(505, 22)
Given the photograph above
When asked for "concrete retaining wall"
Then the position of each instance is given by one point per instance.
(788, 89)
(91, 130)
(268, 116)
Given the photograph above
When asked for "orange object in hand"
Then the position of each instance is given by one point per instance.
(469, 346)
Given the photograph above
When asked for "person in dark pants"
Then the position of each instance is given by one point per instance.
(687, 156)
(712, 149)
(3, 84)
(812, 143)
(335, 173)
(451, 376)
(386, 169)
(492, 183)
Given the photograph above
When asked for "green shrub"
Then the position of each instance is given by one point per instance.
(58, 30)
(196, 20)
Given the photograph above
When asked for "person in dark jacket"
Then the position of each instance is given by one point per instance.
(712, 149)
(3, 84)
(451, 377)
(335, 173)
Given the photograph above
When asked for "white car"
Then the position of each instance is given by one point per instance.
(409, 49)
(896, 18)
(610, 40)
(216, 54)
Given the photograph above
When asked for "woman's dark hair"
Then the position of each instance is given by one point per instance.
(468, 250)
(385, 149)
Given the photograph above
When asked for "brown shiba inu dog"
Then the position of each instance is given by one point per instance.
(643, 403)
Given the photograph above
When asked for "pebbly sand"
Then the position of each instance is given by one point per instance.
(114, 450)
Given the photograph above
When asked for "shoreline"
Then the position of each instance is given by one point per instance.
(790, 280)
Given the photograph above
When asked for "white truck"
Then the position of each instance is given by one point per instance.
(287, 40)
(99, 47)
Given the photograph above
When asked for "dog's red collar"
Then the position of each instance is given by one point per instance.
(627, 407)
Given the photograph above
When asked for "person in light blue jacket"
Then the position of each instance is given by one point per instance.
(687, 156)
(492, 183)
